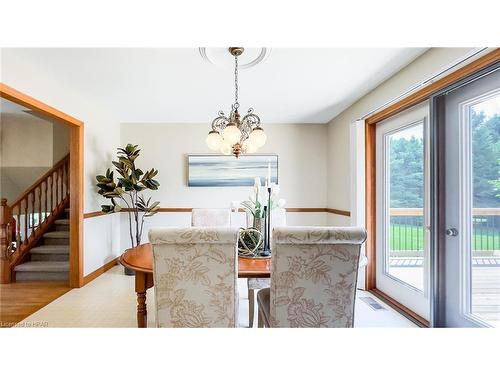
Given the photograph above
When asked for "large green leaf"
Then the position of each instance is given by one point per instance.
(127, 184)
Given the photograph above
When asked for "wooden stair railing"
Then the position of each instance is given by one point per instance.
(24, 222)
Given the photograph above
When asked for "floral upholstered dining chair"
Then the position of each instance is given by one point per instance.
(195, 274)
(313, 277)
(211, 217)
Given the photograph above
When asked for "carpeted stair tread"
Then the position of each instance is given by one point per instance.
(57, 234)
(51, 266)
(62, 222)
(50, 249)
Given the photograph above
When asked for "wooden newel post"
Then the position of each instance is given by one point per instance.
(5, 241)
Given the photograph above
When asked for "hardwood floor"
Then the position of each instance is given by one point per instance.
(21, 299)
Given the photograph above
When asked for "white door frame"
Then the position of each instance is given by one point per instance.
(357, 177)
(416, 300)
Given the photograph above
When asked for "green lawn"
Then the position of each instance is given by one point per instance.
(410, 237)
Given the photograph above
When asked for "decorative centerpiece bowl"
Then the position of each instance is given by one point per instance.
(249, 244)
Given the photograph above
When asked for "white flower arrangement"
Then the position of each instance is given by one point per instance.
(256, 202)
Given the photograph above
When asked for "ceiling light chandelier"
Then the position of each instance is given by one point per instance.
(232, 135)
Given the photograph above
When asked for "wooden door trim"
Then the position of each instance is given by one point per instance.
(76, 175)
(418, 97)
(427, 91)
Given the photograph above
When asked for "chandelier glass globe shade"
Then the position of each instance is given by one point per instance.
(214, 140)
(258, 137)
(249, 147)
(231, 134)
(226, 148)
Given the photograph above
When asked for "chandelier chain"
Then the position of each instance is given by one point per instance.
(236, 104)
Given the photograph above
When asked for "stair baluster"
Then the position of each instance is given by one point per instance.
(25, 200)
(18, 227)
(45, 184)
(58, 182)
(51, 179)
(39, 206)
(31, 210)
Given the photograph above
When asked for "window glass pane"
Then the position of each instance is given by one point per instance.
(405, 244)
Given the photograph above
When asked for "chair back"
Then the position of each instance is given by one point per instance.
(313, 276)
(211, 217)
(195, 276)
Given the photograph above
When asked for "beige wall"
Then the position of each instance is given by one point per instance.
(338, 176)
(302, 163)
(301, 149)
(60, 142)
(25, 150)
(26, 141)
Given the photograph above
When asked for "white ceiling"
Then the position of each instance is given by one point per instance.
(176, 85)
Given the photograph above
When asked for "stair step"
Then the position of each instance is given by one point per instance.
(42, 276)
(49, 257)
(61, 225)
(59, 253)
(66, 210)
(52, 270)
(43, 267)
(50, 249)
(56, 234)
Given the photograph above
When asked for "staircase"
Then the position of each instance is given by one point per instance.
(34, 230)
(50, 259)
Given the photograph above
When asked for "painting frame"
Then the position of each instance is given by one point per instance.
(241, 176)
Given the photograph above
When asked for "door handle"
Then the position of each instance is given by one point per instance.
(453, 232)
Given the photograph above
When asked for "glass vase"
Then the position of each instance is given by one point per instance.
(259, 224)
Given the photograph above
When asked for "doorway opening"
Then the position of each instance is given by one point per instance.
(63, 189)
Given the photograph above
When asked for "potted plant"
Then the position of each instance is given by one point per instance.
(128, 189)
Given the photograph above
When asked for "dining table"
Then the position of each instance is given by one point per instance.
(140, 260)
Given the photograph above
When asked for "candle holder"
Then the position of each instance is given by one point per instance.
(266, 251)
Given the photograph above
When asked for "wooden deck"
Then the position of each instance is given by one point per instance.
(485, 284)
(486, 294)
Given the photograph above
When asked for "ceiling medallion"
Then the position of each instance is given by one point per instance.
(220, 58)
(232, 134)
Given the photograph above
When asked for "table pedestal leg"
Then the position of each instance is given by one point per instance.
(142, 313)
(143, 281)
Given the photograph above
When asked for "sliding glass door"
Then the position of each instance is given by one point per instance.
(402, 209)
(470, 270)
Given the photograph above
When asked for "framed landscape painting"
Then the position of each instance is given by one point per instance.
(222, 170)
